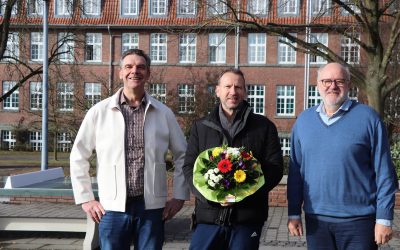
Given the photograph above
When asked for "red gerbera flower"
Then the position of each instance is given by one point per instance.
(245, 155)
(225, 166)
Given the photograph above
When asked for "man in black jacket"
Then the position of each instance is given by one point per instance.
(233, 225)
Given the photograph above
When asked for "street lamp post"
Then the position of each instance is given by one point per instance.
(44, 155)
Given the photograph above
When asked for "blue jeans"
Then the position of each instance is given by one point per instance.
(351, 234)
(144, 227)
(235, 237)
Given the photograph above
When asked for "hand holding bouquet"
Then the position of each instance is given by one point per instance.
(225, 174)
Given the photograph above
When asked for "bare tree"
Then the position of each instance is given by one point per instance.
(378, 22)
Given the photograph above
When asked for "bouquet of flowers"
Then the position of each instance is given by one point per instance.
(225, 174)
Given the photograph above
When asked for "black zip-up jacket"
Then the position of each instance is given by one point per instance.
(256, 133)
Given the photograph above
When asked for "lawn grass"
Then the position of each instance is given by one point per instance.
(32, 159)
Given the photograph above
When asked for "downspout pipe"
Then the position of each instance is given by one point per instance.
(110, 67)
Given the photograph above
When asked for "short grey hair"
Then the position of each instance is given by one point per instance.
(344, 68)
(137, 52)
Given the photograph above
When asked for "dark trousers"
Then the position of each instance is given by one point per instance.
(145, 228)
(351, 234)
(235, 237)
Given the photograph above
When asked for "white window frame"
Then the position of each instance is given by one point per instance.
(286, 54)
(187, 48)
(129, 41)
(64, 142)
(37, 46)
(66, 45)
(35, 7)
(288, 7)
(320, 7)
(129, 7)
(35, 95)
(12, 102)
(158, 7)
(352, 6)
(14, 10)
(158, 47)
(63, 8)
(257, 47)
(285, 145)
(35, 140)
(216, 7)
(256, 98)
(285, 101)
(217, 47)
(8, 137)
(91, 7)
(12, 49)
(187, 7)
(65, 96)
(314, 98)
(92, 93)
(258, 7)
(318, 38)
(93, 47)
(350, 50)
(353, 93)
(158, 91)
(186, 98)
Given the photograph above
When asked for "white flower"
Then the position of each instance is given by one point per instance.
(233, 151)
(219, 177)
(216, 170)
(206, 176)
(212, 176)
(216, 179)
(210, 171)
(211, 183)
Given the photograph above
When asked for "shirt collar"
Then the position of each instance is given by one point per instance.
(123, 99)
(344, 107)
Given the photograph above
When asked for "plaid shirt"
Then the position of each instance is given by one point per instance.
(134, 145)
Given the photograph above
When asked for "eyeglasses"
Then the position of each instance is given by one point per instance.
(328, 82)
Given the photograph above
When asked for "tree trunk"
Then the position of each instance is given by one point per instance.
(375, 100)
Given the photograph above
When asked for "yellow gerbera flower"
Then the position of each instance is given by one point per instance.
(239, 176)
(216, 151)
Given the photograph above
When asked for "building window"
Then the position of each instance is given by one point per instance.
(65, 92)
(66, 47)
(91, 7)
(158, 91)
(285, 100)
(158, 7)
(93, 47)
(36, 94)
(257, 45)
(130, 41)
(258, 7)
(63, 7)
(286, 53)
(212, 99)
(353, 93)
(92, 93)
(14, 10)
(255, 97)
(288, 7)
(129, 7)
(349, 49)
(318, 38)
(8, 139)
(11, 102)
(35, 7)
(217, 47)
(186, 7)
(35, 140)
(158, 47)
(37, 46)
(12, 50)
(186, 98)
(313, 96)
(285, 145)
(351, 4)
(64, 142)
(320, 7)
(216, 7)
(187, 48)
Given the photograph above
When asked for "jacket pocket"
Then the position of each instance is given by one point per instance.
(107, 183)
(160, 180)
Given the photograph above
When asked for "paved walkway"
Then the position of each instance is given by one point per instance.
(177, 236)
